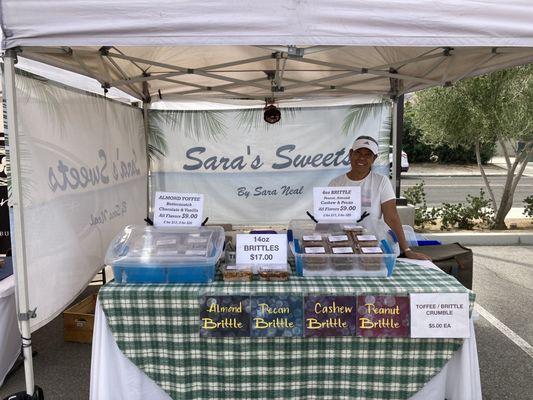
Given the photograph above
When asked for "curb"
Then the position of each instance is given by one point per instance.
(448, 173)
(484, 238)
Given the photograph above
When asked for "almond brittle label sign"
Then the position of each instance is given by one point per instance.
(222, 316)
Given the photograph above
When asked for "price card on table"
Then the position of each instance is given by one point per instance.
(337, 203)
(439, 315)
(261, 249)
(178, 209)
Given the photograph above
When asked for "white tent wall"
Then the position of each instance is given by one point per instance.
(83, 173)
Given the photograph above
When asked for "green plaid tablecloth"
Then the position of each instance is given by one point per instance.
(157, 328)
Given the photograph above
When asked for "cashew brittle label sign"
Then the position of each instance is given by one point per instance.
(330, 315)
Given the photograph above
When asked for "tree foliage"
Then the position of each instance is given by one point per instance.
(421, 152)
(482, 111)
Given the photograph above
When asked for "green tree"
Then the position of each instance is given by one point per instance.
(488, 109)
(421, 152)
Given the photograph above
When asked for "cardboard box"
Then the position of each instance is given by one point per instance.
(79, 321)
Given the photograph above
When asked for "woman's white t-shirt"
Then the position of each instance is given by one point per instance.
(376, 189)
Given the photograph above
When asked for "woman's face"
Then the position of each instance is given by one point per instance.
(362, 159)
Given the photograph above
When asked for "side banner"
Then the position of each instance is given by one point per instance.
(5, 243)
(255, 173)
(84, 178)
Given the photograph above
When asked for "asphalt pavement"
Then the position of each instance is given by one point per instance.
(454, 189)
(452, 183)
(503, 283)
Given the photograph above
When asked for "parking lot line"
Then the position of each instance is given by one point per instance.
(505, 330)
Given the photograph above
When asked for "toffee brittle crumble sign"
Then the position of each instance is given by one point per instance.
(440, 315)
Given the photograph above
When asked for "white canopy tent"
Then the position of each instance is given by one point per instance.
(276, 51)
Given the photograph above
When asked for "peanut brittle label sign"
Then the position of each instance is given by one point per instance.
(439, 315)
(178, 209)
(337, 203)
(382, 316)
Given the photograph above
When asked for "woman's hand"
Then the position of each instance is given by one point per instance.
(415, 255)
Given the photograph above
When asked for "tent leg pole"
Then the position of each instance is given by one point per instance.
(18, 241)
(148, 175)
(397, 141)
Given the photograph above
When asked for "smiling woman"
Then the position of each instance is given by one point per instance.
(378, 200)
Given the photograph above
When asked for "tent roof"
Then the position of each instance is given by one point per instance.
(284, 22)
(283, 49)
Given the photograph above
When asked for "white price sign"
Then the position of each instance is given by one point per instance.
(261, 249)
(337, 203)
(439, 315)
(178, 209)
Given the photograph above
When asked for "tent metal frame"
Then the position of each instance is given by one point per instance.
(21, 274)
(265, 87)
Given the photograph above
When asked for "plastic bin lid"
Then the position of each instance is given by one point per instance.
(154, 246)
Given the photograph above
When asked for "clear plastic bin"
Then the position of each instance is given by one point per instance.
(147, 254)
(344, 264)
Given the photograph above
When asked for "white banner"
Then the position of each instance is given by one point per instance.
(255, 173)
(83, 169)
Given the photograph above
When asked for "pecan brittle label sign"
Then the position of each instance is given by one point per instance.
(277, 316)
